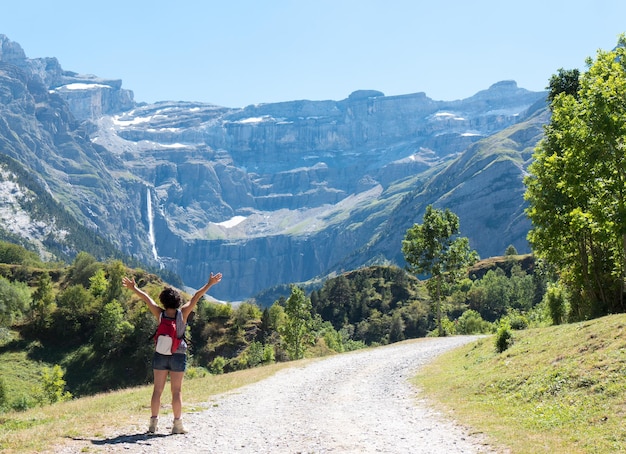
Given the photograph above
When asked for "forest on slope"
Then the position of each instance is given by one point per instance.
(79, 319)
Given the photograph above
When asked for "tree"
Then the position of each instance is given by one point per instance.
(522, 289)
(98, 283)
(52, 388)
(112, 328)
(115, 272)
(396, 331)
(73, 321)
(470, 322)
(15, 299)
(17, 255)
(576, 187)
(565, 81)
(296, 328)
(434, 248)
(42, 300)
(83, 267)
(497, 294)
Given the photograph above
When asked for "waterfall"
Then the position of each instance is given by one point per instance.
(151, 236)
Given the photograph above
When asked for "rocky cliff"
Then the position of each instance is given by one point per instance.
(272, 193)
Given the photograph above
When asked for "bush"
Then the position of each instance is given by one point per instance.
(268, 354)
(448, 328)
(22, 403)
(503, 337)
(351, 345)
(195, 372)
(210, 310)
(555, 299)
(516, 320)
(471, 322)
(52, 387)
(14, 301)
(217, 365)
(255, 354)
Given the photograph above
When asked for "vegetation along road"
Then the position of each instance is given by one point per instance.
(359, 402)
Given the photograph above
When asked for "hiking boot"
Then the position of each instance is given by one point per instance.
(178, 428)
(154, 421)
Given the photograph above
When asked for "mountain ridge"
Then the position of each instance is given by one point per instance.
(271, 193)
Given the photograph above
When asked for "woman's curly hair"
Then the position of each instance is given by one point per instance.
(170, 298)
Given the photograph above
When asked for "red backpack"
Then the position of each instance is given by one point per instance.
(166, 338)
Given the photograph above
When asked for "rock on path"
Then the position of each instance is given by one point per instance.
(359, 402)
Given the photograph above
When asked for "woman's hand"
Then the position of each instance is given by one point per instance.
(215, 278)
(129, 283)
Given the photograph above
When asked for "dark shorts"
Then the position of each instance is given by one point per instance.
(175, 363)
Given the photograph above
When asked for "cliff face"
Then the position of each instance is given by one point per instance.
(272, 193)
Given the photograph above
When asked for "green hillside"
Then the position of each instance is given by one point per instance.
(555, 390)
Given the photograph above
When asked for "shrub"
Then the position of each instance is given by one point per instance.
(52, 388)
(14, 301)
(471, 322)
(255, 354)
(210, 310)
(351, 345)
(516, 320)
(268, 354)
(447, 329)
(195, 372)
(503, 337)
(555, 299)
(217, 365)
(22, 403)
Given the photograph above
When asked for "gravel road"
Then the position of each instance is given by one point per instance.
(359, 402)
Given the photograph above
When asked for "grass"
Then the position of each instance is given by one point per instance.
(41, 429)
(555, 390)
(22, 373)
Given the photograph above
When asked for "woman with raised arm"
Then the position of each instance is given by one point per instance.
(174, 364)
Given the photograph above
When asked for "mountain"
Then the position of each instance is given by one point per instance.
(274, 193)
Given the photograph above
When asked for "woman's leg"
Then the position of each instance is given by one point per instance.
(160, 377)
(176, 384)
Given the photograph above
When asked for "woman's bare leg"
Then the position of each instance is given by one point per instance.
(176, 384)
(160, 377)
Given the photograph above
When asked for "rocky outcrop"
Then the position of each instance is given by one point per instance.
(88, 96)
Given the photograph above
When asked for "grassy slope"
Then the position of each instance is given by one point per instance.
(555, 390)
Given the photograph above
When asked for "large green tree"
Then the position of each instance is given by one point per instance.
(296, 330)
(435, 248)
(576, 188)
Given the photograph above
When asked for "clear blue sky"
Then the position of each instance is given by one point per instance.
(239, 52)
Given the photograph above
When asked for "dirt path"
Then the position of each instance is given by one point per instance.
(359, 402)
